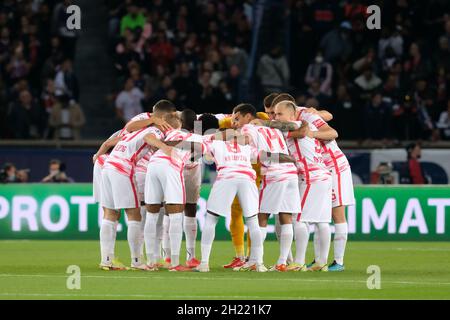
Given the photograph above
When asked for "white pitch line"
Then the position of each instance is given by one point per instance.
(422, 249)
(208, 297)
(151, 277)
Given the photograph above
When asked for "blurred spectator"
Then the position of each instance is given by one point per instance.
(234, 56)
(365, 62)
(393, 41)
(161, 51)
(442, 55)
(444, 122)
(26, 118)
(67, 119)
(337, 43)
(66, 82)
(377, 118)
(367, 83)
(412, 172)
(128, 102)
(320, 71)
(273, 71)
(315, 92)
(57, 173)
(133, 20)
(415, 65)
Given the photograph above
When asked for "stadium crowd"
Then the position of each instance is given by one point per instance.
(390, 84)
(38, 87)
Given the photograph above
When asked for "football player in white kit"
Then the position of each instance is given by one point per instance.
(337, 163)
(279, 191)
(164, 185)
(107, 230)
(315, 188)
(99, 159)
(143, 120)
(343, 195)
(192, 180)
(161, 108)
(119, 191)
(235, 176)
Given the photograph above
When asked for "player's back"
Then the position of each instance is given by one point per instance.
(271, 140)
(181, 156)
(333, 156)
(130, 149)
(232, 159)
(308, 153)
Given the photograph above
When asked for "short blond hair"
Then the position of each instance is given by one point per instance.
(287, 104)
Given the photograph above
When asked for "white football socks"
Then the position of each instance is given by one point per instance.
(143, 217)
(316, 243)
(107, 240)
(290, 258)
(150, 236)
(159, 235)
(324, 242)
(340, 241)
(263, 233)
(286, 238)
(257, 249)
(301, 231)
(208, 234)
(190, 231)
(134, 236)
(176, 236)
(165, 237)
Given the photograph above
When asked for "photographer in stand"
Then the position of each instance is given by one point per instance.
(57, 173)
(383, 174)
(10, 174)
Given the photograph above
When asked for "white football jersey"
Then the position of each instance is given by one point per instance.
(181, 156)
(333, 156)
(271, 140)
(130, 149)
(232, 159)
(308, 153)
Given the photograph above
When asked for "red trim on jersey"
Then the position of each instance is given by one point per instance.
(299, 114)
(308, 186)
(318, 123)
(305, 164)
(120, 168)
(336, 169)
(133, 158)
(121, 132)
(135, 134)
(134, 188)
(251, 175)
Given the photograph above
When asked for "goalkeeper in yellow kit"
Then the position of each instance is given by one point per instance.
(237, 221)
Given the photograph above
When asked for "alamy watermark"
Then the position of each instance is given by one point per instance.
(74, 20)
(374, 280)
(374, 20)
(73, 281)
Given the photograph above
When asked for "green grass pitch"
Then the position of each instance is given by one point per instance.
(409, 270)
